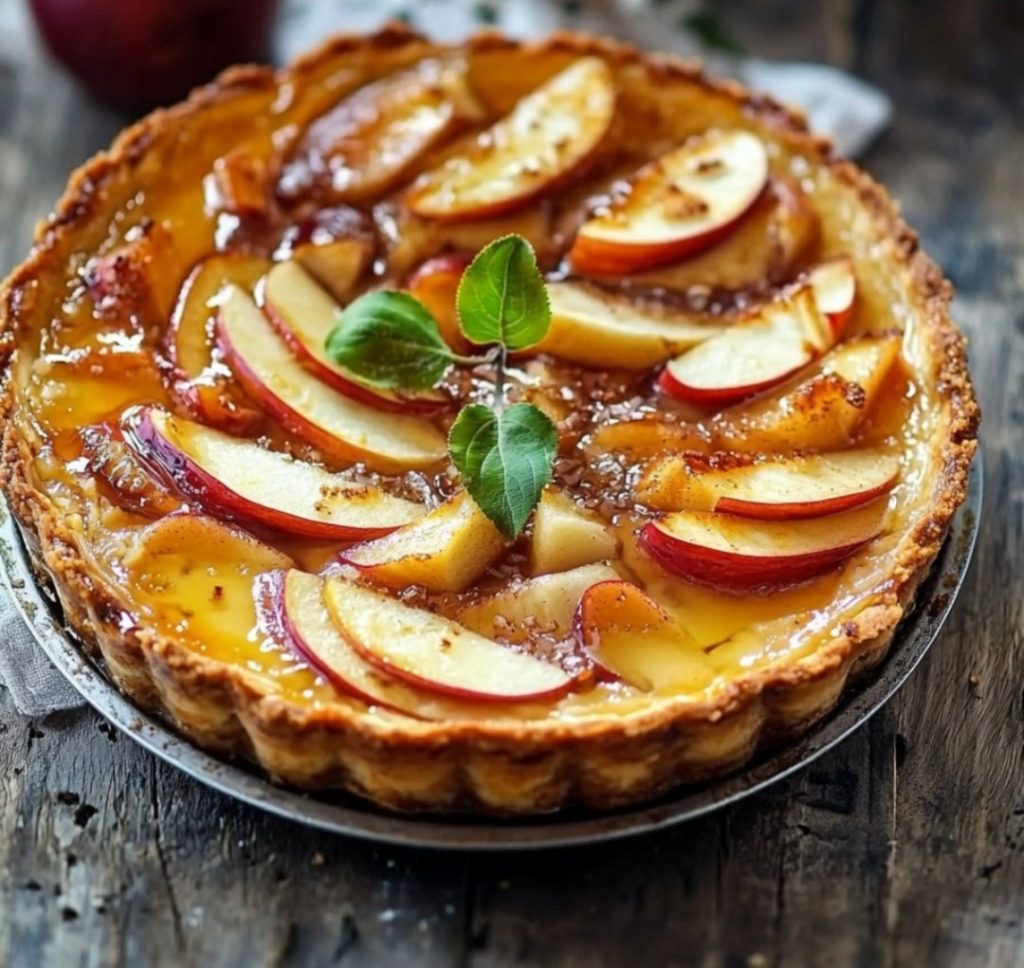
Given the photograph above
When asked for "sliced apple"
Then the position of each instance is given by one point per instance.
(753, 355)
(526, 606)
(676, 206)
(435, 284)
(566, 536)
(820, 412)
(740, 554)
(446, 550)
(304, 314)
(239, 185)
(119, 473)
(372, 140)
(242, 481)
(550, 137)
(198, 382)
(295, 612)
(630, 637)
(835, 289)
(784, 489)
(335, 245)
(435, 653)
(597, 328)
(765, 247)
(341, 428)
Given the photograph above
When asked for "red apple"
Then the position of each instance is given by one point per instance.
(341, 428)
(434, 653)
(780, 489)
(550, 137)
(304, 315)
(752, 355)
(145, 54)
(741, 554)
(242, 481)
(676, 206)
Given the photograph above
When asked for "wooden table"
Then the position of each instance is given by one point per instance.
(904, 846)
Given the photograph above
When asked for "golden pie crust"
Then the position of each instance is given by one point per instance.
(494, 766)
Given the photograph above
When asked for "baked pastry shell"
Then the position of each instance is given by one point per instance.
(492, 766)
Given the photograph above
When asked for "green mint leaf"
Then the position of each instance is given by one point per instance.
(389, 339)
(711, 32)
(502, 297)
(505, 459)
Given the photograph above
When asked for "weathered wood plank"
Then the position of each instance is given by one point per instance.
(904, 846)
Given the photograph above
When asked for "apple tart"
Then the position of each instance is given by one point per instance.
(763, 410)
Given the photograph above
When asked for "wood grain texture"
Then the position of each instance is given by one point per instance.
(905, 846)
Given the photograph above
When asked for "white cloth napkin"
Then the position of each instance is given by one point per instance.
(848, 110)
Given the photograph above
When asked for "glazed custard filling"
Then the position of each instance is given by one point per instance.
(743, 398)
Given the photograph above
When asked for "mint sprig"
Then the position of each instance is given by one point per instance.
(503, 453)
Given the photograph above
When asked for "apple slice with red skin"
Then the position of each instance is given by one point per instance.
(436, 284)
(676, 206)
(196, 380)
(601, 329)
(370, 142)
(550, 137)
(740, 554)
(629, 637)
(292, 610)
(304, 315)
(339, 427)
(782, 489)
(434, 653)
(447, 549)
(752, 355)
(835, 290)
(242, 481)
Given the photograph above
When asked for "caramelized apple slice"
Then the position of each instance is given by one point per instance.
(372, 140)
(527, 606)
(242, 481)
(822, 411)
(446, 550)
(435, 653)
(630, 637)
(754, 354)
(566, 536)
(740, 554)
(764, 248)
(196, 574)
(300, 617)
(550, 136)
(202, 386)
(338, 426)
(682, 203)
(435, 284)
(122, 478)
(835, 289)
(601, 329)
(304, 315)
(790, 488)
(239, 185)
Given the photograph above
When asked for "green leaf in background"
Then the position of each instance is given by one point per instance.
(711, 32)
(505, 459)
(389, 338)
(502, 297)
